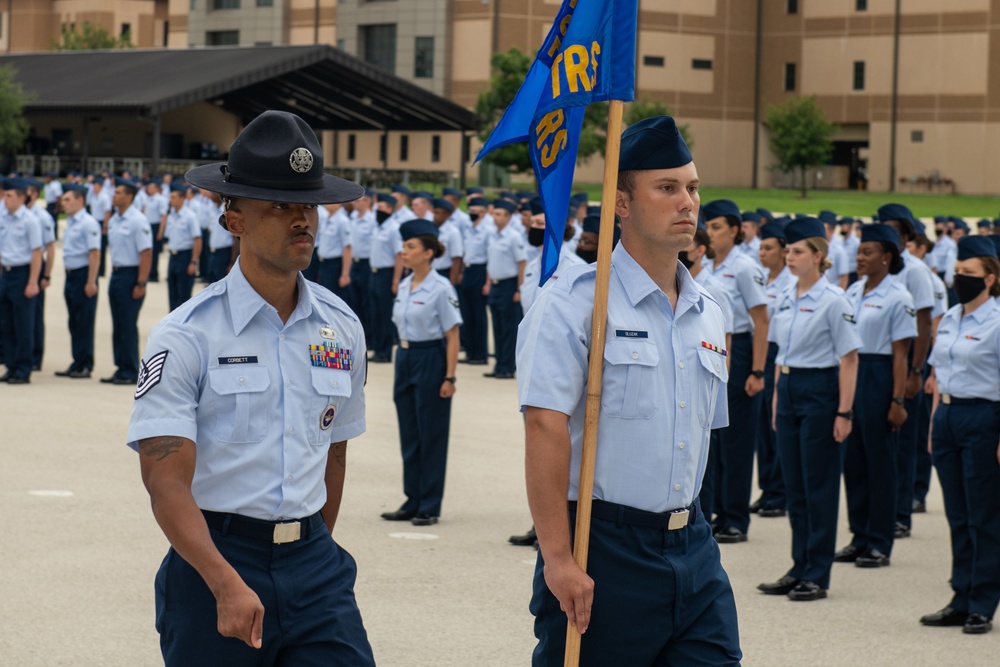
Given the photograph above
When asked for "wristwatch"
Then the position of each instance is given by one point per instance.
(899, 400)
(849, 415)
(757, 374)
(451, 380)
(917, 370)
(140, 283)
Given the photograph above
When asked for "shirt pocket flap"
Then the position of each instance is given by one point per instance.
(633, 352)
(714, 363)
(238, 379)
(331, 381)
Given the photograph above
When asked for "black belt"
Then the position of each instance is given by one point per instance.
(788, 370)
(124, 268)
(356, 260)
(417, 344)
(177, 252)
(742, 334)
(503, 280)
(16, 268)
(82, 268)
(275, 532)
(948, 399)
(875, 358)
(623, 514)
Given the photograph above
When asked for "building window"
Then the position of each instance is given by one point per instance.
(404, 147)
(789, 77)
(423, 58)
(435, 148)
(699, 63)
(225, 4)
(341, 43)
(917, 136)
(126, 29)
(792, 6)
(861, 5)
(166, 32)
(654, 61)
(383, 148)
(222, 38)
(378, 45)
(265, 3)
(352, 146)
(859, 75)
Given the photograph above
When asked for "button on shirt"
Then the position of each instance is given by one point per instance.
(504, 253)
(249, 391)
(386, 244)
(20, 236)
(182, 229)
(83, 234)
(427, 312)
(814, 330)
(128, 235)
(451, 239)
(533, 271)
(663, 390)
(966, 352)
(884, 315)
(744, 280)
(334, 235)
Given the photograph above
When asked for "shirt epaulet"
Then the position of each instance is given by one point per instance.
(575, 273)
(328, 298)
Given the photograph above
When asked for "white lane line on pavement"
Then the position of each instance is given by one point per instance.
(414, 536)
(530, 562)
(51, 493)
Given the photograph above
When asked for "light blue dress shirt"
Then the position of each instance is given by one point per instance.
(966, 352)
(840, 265)
(751, 249)
(100, 204)
(155, 207)
(427, 312)
(814, 330)
(940, 297)
(182, 229)
(916, 277)
(46, 222)
(261, 405)
(451, 239)
(334, 235)
(362, 228)
(83, 234)
(744, 280)
(128, 236)
(664, 385)
(851, 245)
(776, 287)
(884, 315)
(386, 244)
(720, 294)
(20, 236)
(533, 271)
(477, 241)
(504, 253)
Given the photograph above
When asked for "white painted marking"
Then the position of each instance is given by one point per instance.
(51, 493)
(530, 562)
(413, 536)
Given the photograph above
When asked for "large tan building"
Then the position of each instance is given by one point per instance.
(917, 97)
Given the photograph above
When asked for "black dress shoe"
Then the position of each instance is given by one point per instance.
(946, 618)
(122, 381)
(477, 362)
(872, 558)
(977, 624)
(806, 591)
(529, 539)
(730, 535)
(398, 515)
(18, 381)
(424, 519)
(66, 373)
(782, 586)
(36, 367)
(503, 376)
(380, 360)
(756, 505)
(4, 377)
(919, 507)
(771, 512)
(901, 531)
(79, 374)
(109, 380)
(848, 554)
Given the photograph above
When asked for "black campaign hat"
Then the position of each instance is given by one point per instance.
(276, 157)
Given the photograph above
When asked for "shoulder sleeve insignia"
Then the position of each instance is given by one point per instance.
(453, 302)
(150, 373)
(759, 280)
(912, 312)
(850, 318)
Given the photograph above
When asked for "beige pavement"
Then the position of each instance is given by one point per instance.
(79, 546)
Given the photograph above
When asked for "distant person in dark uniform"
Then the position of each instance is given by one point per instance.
(82, 258)
(505, 264)
(472, 299)
(21, 263)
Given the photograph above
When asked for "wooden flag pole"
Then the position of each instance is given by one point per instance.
(595, 375)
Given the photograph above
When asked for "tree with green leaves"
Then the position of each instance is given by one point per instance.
(90, 38)
(634, 112)
(801, 137)
(13, 124)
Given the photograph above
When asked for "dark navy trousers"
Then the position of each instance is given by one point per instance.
(906, 460)
(38, 347)
(733, 459)
(312, 271)
(154, 269)
(206, 253)
(179, 283)
(810, 462)
(381, 299)
(870, 458)
(361, 275)
(965, 455)
(772, 486)
(17, 319)
(218, 264)
(925, 464)
(660, 598)
(473, 305)
(82, 311)
(329, 276)
(709, 494)
(125, 321)
(506, 315)
(424, 421)
(311, 617)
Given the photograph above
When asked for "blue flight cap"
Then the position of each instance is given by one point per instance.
(804, 228)
(592, 223)
(653, 143)
(180, 187)
(579, 198)
(473, 191)
(370, 194)
(772, 230)
(524, 194)
(845, 221)
(723, 208)
(479, 201)
(764, 213)
(38, 185)
(828, 217)
(507, 194)
(880, 233)
(15, 184)
(975, 246)
(535, 205)
(75, 187)
(126, 183)
(422, 194)
(894, 212)
(505, 204)
(919, 227)
(417, 227)
(985, 223)
(783, 221)
(401, 189)
(961, 224)
(386, 199)
(443, 203)
(751, 216)
(940, 218)
(451, 191)
(995, 238)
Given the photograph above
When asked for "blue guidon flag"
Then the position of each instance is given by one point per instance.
(588, 56)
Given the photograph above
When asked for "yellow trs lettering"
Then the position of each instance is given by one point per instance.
(551, 125)
(576, 62)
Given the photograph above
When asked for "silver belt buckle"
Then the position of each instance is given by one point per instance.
(678, 519)
(405, 344)
(287, 532)
(946, 399)
(785, 370)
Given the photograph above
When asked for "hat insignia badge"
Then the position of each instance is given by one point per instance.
(301, 160)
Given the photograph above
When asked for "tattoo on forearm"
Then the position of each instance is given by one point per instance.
(340, 453)
(161, 448)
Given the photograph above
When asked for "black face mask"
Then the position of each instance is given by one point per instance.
(967, 288)
(474, 216)
(536, 236)
(382, 216)
(683, 257)
(589, 256)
